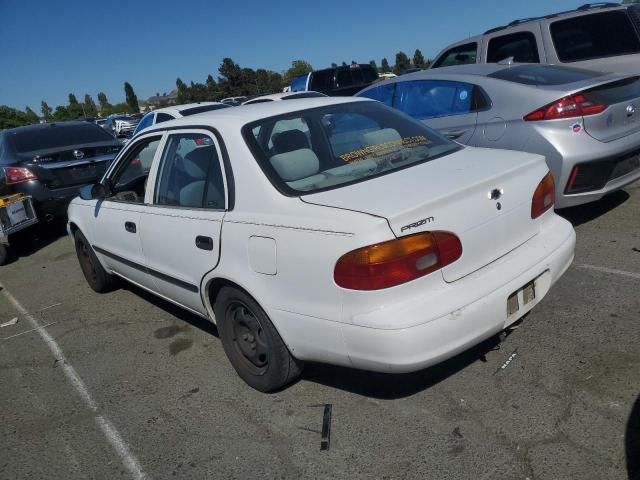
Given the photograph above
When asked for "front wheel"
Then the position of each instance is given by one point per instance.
(252, 343)
(97, 277)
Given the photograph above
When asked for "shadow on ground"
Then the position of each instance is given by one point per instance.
(178, 312)
(590, 211)
(32, 239)
(632, 442)
(387, 386)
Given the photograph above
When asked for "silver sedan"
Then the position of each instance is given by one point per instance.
(586, 124)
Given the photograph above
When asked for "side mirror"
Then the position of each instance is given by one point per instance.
(94, 192)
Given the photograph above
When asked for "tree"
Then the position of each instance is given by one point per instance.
(74, 110)
(90, 107)
(131, 99)
(298, 67)
(105, 106)
(344, 64)
(230, 78)
(402, 62)
(46, 110)
(373, 65)
(334, 65)
(384, 66)
(418, 59)
(32, 117)
(183, 91)
(61, 113)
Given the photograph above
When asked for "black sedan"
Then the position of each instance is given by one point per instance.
(52, 161)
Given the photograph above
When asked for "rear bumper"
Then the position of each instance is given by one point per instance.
(437, 339)
(442, 322)
(48, 202)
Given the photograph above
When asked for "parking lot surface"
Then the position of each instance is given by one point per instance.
(124, 385)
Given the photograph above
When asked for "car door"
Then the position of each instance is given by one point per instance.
(444, 105)
(180, 229)
(115, 229)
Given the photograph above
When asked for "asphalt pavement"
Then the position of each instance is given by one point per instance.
(124, 385)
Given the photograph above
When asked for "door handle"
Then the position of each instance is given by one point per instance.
(453, 134)
(204, 243)
(130, 227)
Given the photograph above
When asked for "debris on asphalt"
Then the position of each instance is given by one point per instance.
(636, 249)
(325, 439)
(50, 306)
(510, 359)
(29, 331)
(456, 433)
(13, 321)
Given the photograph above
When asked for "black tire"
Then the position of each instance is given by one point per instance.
(97, 277)
(252, 343)
(4, 254)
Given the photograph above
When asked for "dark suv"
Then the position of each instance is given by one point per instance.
(336, 82)
(52, 161)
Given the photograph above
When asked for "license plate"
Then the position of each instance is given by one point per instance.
(17, 213)
(523, 296)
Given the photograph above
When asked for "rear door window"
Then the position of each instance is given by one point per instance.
(599, 35)
(422, 99)
(522, 46)
(163, 117)
(460, 55)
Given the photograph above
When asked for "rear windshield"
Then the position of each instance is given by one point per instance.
(58, 136)
(599, 35)
(324, 148)
(202, 109)
(304, 95)
(544, 75)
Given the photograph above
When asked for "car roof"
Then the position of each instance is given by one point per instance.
(184, 106)
(282, 95)
(582, 10)
(240, 116)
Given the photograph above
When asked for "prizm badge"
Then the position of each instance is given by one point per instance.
(424, 221)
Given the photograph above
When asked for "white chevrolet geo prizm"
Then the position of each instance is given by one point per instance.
(325, 229)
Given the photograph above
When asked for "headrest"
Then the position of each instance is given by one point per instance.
(289, 141)
(379, 136)
(196, 162)
(295, 165)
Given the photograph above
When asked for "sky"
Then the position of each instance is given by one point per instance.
(50, 48)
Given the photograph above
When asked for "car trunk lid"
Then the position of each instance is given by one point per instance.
(483, 196)
(622, 115)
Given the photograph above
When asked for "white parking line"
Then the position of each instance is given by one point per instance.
(612, 271)
(112, 435)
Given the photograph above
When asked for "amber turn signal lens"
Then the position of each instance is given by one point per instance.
(398, 261)
(544, 197)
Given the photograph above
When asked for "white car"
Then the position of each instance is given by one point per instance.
(177, 111)
(364, 239)
(284, 96)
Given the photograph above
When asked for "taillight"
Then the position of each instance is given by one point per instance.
(577, 105)
(398, 261)
(544, 197)
(18, 175)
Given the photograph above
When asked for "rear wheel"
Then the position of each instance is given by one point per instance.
(252, 343)
(97, 277)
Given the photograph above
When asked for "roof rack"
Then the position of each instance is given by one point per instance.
(585, 7)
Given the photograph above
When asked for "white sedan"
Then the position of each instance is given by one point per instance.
(334, 230)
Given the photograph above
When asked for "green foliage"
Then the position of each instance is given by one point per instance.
(334, 65)
(374, 65)
(131, 99)
(298, 67)
(74, 110)
(402, 62)
(384, 66)
(344, 64)
(11, 118)
(105, 106)
(46, 110)
(418, 59)
(90, 107)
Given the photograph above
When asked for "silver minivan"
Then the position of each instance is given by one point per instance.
(596, 36)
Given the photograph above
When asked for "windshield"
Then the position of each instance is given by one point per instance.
(329, 147)
(58, 136)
